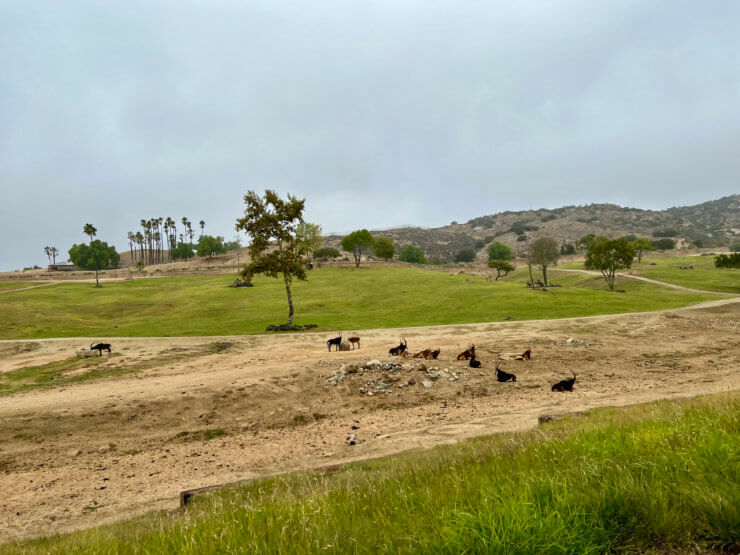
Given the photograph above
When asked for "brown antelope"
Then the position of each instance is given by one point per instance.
(467, 353)
(354, 340)
(423, 354)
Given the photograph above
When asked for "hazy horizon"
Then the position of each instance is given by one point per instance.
(380, 115)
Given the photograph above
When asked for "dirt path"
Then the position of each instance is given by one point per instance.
(204, 410)
(649, 280)
(27, 288)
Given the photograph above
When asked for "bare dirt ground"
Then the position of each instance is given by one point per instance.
(201, 411)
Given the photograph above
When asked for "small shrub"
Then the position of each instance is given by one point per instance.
(664, 244)
(465, 255)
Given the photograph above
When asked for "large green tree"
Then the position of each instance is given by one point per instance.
(275, 250)
(95, 256)
(545, 251)
(641, 246)
(357, 243)
(209, 245)
(309, 237)
(412, 254)
(383, 248)
(608, 256)
(183, 251)
(499, 251)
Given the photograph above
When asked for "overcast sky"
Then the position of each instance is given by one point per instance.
(378, 113)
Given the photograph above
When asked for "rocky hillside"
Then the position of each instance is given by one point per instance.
(713, 223)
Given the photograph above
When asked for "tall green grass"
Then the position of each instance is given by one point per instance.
(332, 298)
(660, 476)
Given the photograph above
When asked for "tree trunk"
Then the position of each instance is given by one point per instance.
(531, 277)
(544, 273)
(290, 302)
(97, 282)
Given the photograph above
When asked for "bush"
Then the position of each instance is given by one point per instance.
(324, 253)
(567, 248)
(412, 254)
(383, 248)
(521, 238)
(727, 260)
(183, 251)
(465, 255)
(735, 247)
(664, 244)
(499, 251)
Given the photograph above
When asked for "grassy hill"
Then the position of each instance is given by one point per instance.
(333, 298)
(713, 223)
(661, 477)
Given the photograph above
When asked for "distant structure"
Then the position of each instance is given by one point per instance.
(63, 267)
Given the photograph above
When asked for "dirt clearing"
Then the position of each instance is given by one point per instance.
(168, 414)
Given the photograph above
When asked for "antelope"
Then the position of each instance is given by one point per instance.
(400, 349)
(474, 363)
(100, 347)
(426, 353)
(467, 353)
(354, 340)
(334, 341)
(565, 385)
(504, 376)
(434, 354)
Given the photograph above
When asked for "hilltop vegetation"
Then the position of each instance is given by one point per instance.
(713, 223)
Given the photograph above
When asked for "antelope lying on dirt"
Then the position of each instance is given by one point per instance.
(504, 376)
(395, 351)
(565, 385)
(467, 353)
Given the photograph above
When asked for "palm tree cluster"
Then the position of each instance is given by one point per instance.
(52, 253)
(148, 245)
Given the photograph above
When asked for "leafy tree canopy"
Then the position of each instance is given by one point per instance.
(276, 249)
(183, 251)
(501, 266)
(325, 253)
(664, 244)
(585, 241)
(95, 256)
(567, 248)
(727, 260)
(465, 255)
(357, 243)
(209, 245)
(545, 251)
(383, 248)
(499, 251)
(608, 256)
(412, 254)
(309, 237)
(641, 246)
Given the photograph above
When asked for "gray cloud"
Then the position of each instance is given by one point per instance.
(378, 113)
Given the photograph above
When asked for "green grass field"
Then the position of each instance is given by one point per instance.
(336, 299)
(657, 477)
(704, 275)
(10, 285)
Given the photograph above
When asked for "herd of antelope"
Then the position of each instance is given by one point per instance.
(468, 354)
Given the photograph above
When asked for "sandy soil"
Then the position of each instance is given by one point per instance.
(82, 455)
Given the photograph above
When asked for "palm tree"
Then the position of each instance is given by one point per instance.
(202, 225)
(47, 252)
(139, 239)
(54, 253)
(190, 232)
(89, 230)
(130, 237)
